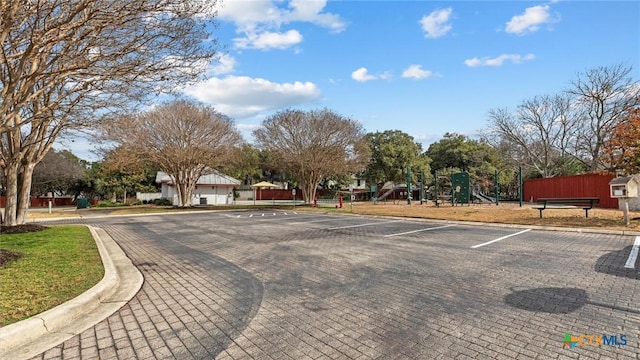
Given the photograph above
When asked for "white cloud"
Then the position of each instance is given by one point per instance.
(498, 61)
(248, 14)
(247, 127)
(223, 64)
(260, 21)
(436, 24)
(269, 40)
(311, 11)
(530, 20)
(242, 97)
(416, 72)
(362, 75)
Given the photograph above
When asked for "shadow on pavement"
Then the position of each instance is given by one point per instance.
(549, 300)
(612, 263)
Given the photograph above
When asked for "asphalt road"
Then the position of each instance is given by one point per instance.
(285, 285)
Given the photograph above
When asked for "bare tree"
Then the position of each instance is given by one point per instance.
(313, 145)
(602, 96)
(181, 138)
(542, 129)
(65, 63)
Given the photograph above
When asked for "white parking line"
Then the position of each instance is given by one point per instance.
(359, 225)
(498, 239)
(317, 221)
(633, 256)
(415, 231)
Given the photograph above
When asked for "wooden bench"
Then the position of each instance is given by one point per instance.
(585, 203)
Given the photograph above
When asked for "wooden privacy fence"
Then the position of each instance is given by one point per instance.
(576, 186)
(43, 201)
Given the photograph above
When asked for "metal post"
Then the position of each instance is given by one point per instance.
(497, 188)
(408, 185)
(351, 196)
(625, 210)
(453, 193)
(435, 188)
(421, 187)
(520, 184)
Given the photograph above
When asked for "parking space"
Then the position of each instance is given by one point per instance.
(293, 285)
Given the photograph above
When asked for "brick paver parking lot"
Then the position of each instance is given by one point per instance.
(285, 285)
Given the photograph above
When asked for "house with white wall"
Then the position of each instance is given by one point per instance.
(214, 188)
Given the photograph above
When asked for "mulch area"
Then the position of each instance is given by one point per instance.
(6, 255)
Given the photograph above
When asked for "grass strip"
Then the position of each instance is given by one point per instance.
(57, 264)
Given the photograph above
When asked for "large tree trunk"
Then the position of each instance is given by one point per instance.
(24, 192)
(309, 188)
(183, 195)
(11, 206)
(595, 161)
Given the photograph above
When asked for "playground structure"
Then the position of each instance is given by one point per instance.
(479, 196)
(394, 188)
(455, 189)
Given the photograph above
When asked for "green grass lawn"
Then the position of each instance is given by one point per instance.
(57, 264)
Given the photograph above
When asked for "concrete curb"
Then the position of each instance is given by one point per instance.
(122, 280)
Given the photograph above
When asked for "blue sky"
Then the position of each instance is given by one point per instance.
(422, 67)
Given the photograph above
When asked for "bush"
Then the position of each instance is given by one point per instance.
(145, 202)
(111, 204)
(162, 202)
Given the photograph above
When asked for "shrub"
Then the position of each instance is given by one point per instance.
(161, 202)
(111, 204)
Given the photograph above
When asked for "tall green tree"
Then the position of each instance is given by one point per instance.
(58, 173)
(392, 151)
(458, 152)
(245, 165)
(124, 173)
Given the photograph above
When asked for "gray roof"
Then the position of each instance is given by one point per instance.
(623, 180)
(213, 177)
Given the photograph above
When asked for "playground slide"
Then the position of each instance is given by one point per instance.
(390, 191)
(483, 197)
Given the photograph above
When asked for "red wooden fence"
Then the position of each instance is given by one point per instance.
(43, 201)
(587, 185)
(280, 194)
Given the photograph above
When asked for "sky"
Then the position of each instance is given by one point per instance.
(423, 67)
